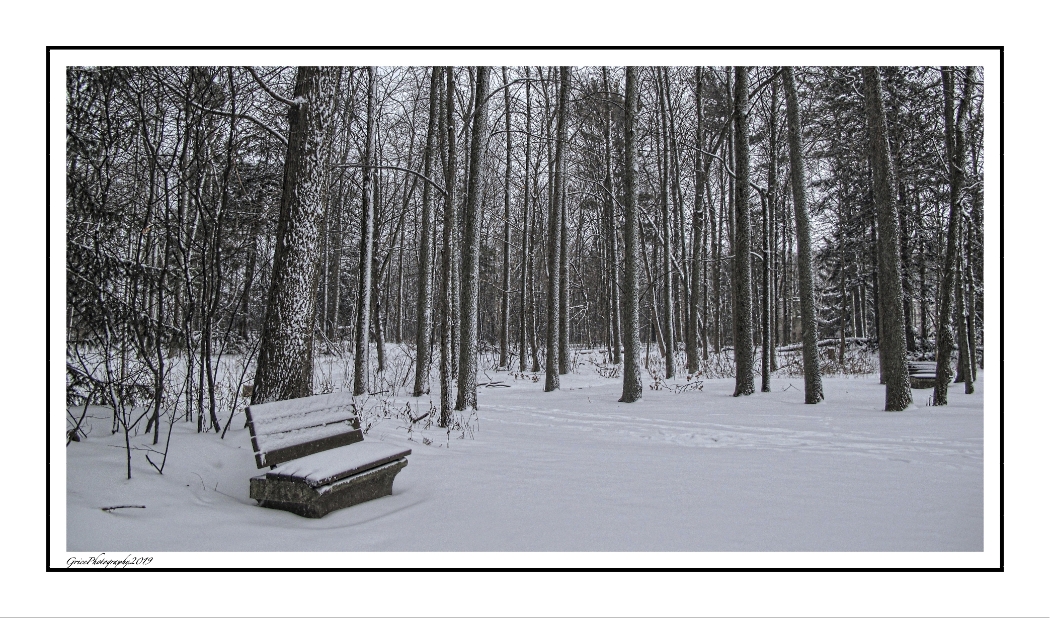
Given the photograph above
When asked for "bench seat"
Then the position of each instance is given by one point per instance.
(923, 380)
(330, 466)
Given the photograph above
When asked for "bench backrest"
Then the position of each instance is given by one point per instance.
(286, 430)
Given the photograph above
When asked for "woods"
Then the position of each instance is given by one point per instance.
(685, 221)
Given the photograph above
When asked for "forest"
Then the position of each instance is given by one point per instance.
(233, 229)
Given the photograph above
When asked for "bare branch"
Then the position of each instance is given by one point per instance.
(394, 167)
(267, 89)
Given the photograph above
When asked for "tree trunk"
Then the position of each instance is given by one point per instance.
(971, 319)
(364, 287)
(285, 365)
(964, 340)
(632, 377)
(614, 251)
(467, 394)
(954, 136)
(526, 255)
(743, 337)
(504, 313)
(447, 292)
(768, 306)
(424, 295)
(563, 253)
(668, 245)
(554, 244)
(693, 324)
(765, 293)
(898, 385)
(810, 360)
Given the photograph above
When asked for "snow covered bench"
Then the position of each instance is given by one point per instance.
(923, 374)
(318, 459)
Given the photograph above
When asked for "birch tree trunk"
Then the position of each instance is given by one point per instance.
(892, 339)
(285, 365)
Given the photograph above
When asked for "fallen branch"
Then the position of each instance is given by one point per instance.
(123, 506)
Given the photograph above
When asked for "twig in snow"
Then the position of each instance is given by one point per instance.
(123, 506)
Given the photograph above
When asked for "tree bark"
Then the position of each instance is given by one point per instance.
(693, 320)
(768, 307)
(424, 295)
(447, 133)
(668, 246)
(467, 394)
(285, 365)
(898, 385)
(504, 314)
(526, 256)
(614, 251)
(364, 287)
(954, 139)
(632, 377)
(554, 244)
(810, 360)
(743, 337)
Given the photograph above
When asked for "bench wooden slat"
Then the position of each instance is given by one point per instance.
(285, 430)
(292, 412)
(336, 464)
(302, 449)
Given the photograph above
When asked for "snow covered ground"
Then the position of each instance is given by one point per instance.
(576, 471)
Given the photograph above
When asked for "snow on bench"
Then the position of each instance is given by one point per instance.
(923, 374)
(318, 459)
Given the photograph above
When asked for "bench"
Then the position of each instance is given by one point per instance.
(318, 459)
(923, 374)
